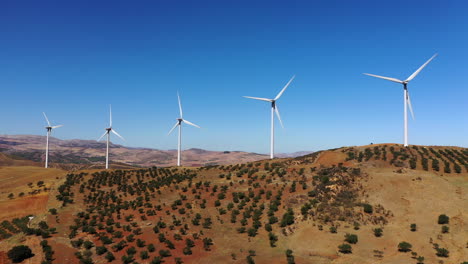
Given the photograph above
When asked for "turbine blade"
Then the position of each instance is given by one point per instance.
(102, 136)
(420, 69)
(180, 105)
(110, 116)
(409, 104)
(261, 99)
(54, 127)
(46, 119)
(278, 115)
(286, 86)
(190, 123)
(172, 129)
(117, 134)
(385, 78)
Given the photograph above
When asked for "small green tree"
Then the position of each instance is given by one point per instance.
(19, 253)
(420, 260)
(404, 246)
(443, 219)
(445, 229)
(378, 232)
(151, 248)
(345, 248)
(110, 257)
(101, 250)
(144, 254)
(442, 252)
(273, 238)
(367, 208)
(250, 260)
(127, 259)
(290, 257)
(351, 238)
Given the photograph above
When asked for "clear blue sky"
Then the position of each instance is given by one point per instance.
(72, 59)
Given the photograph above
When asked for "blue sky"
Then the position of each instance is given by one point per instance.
(72, 59)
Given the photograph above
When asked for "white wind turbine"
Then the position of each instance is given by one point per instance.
(108, 130)
(179, 123)
(49, 128)
(274, 108)
(406, 97)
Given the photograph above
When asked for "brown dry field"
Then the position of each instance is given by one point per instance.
(413, 196)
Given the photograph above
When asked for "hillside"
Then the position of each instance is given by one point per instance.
(381, 195)
(91, 154)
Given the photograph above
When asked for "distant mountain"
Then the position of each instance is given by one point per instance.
(91, 154)
(293, 154)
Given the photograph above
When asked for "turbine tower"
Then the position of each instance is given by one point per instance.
(179, 123)
(49, 128)
(274, 108)
(406, 97)
(108, 130)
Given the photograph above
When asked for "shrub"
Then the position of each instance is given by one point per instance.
(250, 260)
(443, 219)
(420, 260)
(164, 253)
(144, 255)
(187, 251)
(445, 229)
(351, 238)
(101, 250)
(345, 248)
(378, 232)
(127, 259)
(413, 227)
(333, 229)
(252, 232)
(288, 218)
(88, 244)
(110, 257)
(19, 253)
(442, 252)
(367, 208)
(290, 257)
(151, 248)
(404, 246)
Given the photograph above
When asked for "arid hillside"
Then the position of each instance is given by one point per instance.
(368, 204)
(91, 154)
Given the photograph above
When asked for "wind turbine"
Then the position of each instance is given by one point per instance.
(49, 128)
(108, 130)
(274, 108)
(406, 97)
(179, 123)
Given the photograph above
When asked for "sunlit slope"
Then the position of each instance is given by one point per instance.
(256, 211)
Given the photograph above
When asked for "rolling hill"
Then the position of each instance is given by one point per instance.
(91, 154)
(346, 205)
